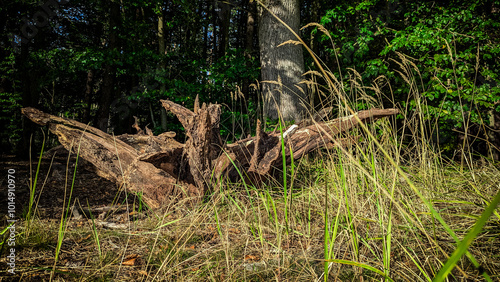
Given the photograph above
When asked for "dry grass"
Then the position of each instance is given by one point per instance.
(354, 214)
(239, 236)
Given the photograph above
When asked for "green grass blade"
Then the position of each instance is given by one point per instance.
(285, 191)
(465, 243)
(362, 265)
(94, 231)
(168, 223)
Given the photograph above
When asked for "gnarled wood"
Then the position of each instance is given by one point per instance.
(116, 160)
(162, 169)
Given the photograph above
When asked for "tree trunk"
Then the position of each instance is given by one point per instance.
(87, 98)
(162, 169)
(109, 77)
(249, 46)
(225, 20)
(162, 51)
(250, 28)
(214, 33)
(493, 134)
(281, 67)
(30, 94)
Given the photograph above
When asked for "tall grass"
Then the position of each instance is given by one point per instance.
(388, 208)
(33, 183)
(385, 209)
(346, 214)
(65, 212)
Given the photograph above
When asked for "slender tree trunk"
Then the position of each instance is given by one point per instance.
(29, 98)
(494, 135)
(215, 33)
(30, 94)
(87, 100)
(285, 64)
(249, 46)
(161, 51)
(109, 77)
(316, 18)
(206, 32)
(225, 20)
(250, 28)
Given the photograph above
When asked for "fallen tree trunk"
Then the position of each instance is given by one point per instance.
(162, 169)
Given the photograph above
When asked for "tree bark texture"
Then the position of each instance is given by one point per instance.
(249, 43)
(87, 96)
(109, 76)
(163, 170)
(281, 67)
(224, 15)
(162, 53)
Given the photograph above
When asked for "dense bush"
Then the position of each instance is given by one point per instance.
(446, 50)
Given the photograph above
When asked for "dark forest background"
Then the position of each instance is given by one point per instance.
(103, 62)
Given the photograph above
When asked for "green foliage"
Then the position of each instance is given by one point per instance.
(445, 50)
(11, 128)
(216, 82)
(454, 48)
(10, 117)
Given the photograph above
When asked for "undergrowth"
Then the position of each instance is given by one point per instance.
(389, 207)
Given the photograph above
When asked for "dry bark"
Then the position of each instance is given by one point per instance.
(162, 169)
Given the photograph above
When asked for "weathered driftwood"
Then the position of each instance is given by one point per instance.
(162, 169)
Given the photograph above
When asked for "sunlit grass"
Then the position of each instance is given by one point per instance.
(389, 207)
(339, 227)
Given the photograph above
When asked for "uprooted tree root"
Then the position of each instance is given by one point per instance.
(162, 169)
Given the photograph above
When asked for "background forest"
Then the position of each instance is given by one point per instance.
(413, 198)
(104, 62)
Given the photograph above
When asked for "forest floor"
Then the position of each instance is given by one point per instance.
(240, 233)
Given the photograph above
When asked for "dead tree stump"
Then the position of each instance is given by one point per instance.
(163, 170)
